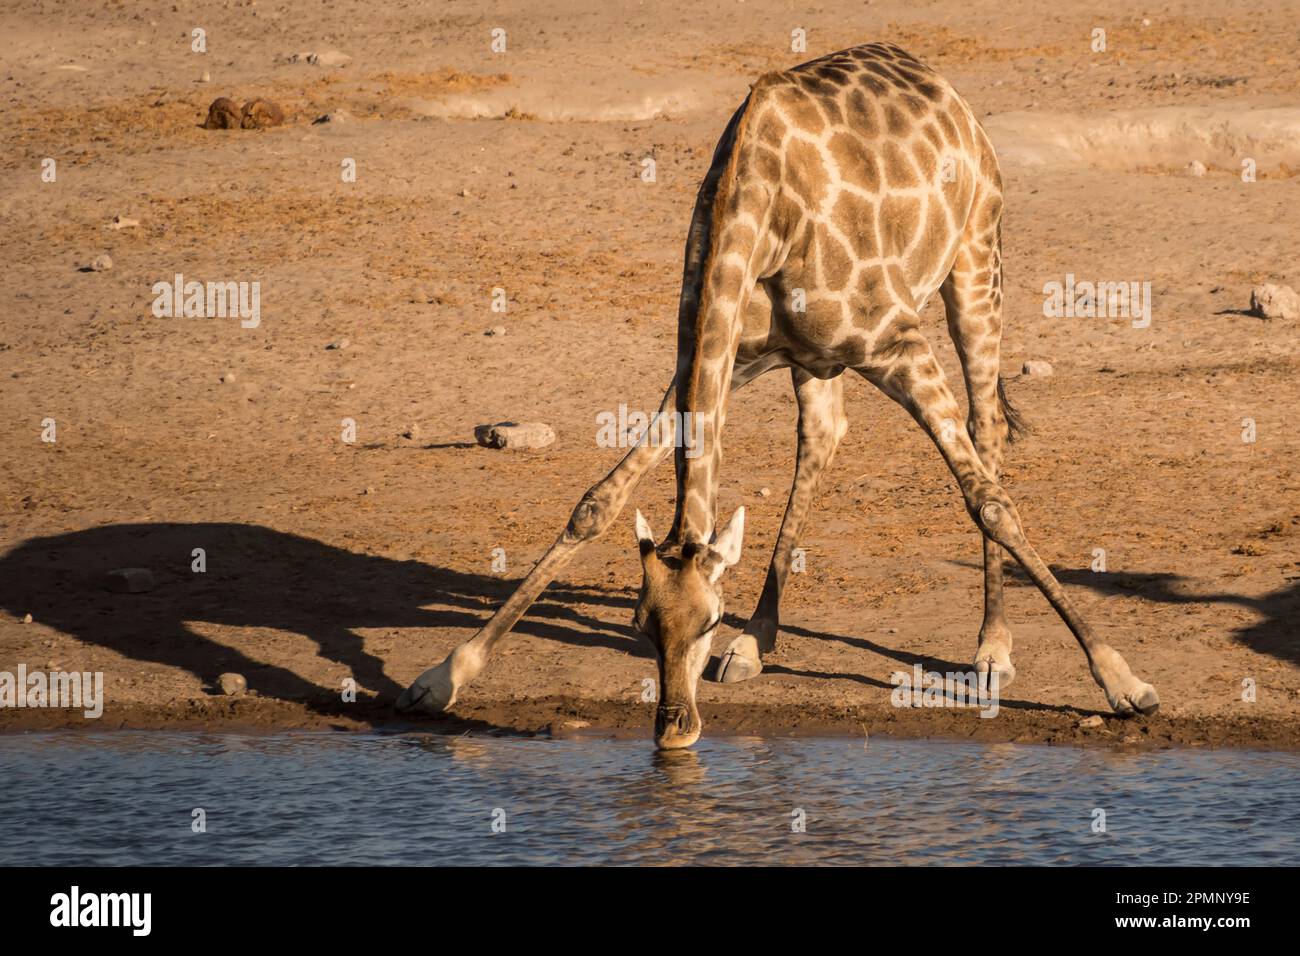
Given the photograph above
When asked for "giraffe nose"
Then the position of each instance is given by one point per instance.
(676, 726)
(671, 719)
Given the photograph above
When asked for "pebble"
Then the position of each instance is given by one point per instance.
(27, 619)
(102, 263)
(412, 433)
(514, 435)
(1090, 722)
(764, 492)
(1275, 302)
(129, 580)
(1196, 168)
(1036, 368)
(228, 378)
(232, 684)
(335, 346)
(338, 116)
(206, 77)
(121, 222)
(496, 331)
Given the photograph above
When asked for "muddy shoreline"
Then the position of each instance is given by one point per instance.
(580, 717)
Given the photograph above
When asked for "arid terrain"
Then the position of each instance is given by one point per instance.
(523, 170)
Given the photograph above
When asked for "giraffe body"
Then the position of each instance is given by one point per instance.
(843, 194)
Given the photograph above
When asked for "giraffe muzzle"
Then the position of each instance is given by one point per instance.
(676, 726)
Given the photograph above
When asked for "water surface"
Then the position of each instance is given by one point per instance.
(315, 798)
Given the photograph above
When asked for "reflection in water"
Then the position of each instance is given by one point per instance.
(126, 798)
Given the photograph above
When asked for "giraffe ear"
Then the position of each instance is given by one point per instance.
(645, 538)
(725, 550)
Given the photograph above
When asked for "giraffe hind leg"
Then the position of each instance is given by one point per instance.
(908, 372)
(972, 296)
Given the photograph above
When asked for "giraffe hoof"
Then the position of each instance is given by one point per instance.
(1142, 699)
(994, 671)
(430, 693)
(740, 661)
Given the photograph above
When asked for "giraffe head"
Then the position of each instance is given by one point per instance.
(678, 612)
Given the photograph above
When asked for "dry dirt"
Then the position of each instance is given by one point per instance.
(521, 170)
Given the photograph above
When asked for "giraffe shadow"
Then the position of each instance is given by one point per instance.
(1275, 632)
(906, 658)
(256, 577)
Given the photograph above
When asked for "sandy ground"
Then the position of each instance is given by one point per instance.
(522, 170)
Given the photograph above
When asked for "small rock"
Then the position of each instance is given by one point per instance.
(206, 77)
(335, 346)
(1274, 302)
(121, 222)
(338, 116)
(514, 435)
(27, 619)
(412, 433)
(1036, 368)
(232, 684)
(464, 194)
(1089, 723)
(330, 58)
(764, 492)
(496, 331)
(227, 378)
(1196, 168)
(260, 114)
(368, 490)
(223, 114)
(130, 580)
(102, 263)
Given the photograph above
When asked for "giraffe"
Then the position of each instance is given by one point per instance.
(842, 195)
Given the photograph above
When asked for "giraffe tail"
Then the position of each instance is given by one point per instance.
(1017, 427)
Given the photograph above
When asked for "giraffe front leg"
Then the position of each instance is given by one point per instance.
(436, 689)
(822, 424)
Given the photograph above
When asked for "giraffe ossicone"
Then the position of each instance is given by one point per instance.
(843, 194)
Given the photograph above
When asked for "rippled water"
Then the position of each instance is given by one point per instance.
(128, 798)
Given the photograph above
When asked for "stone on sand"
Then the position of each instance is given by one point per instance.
(1036, 368)
(261, 114)
(1274, 302)
(514, 435)
(129, 580)
(232, 684)
(223, 114)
